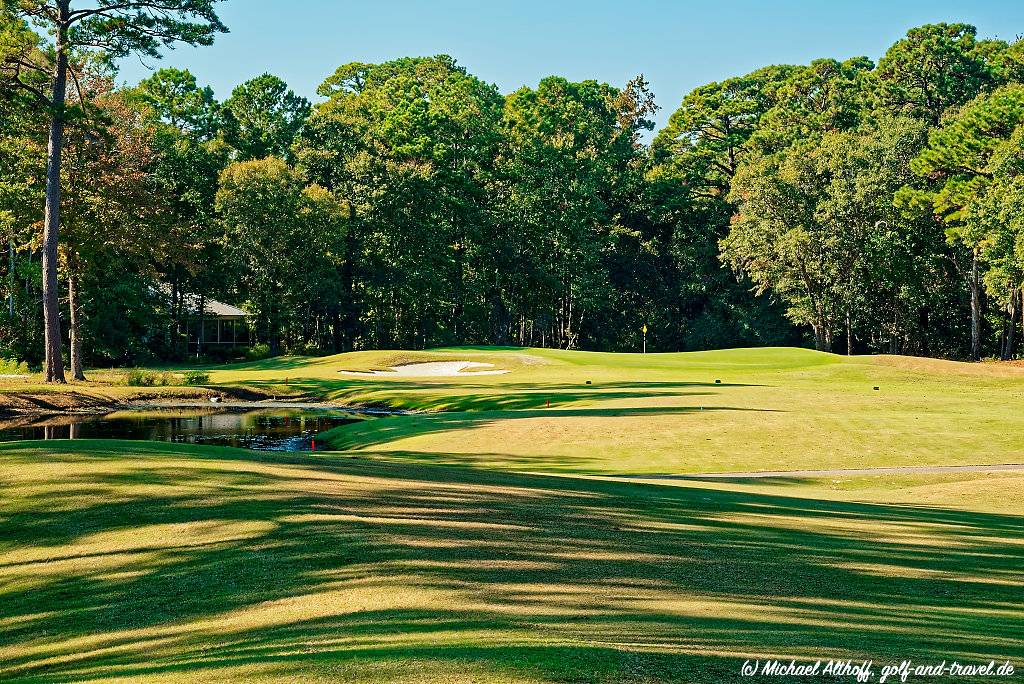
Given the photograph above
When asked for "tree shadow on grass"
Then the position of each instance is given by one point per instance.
(277, 363)
(381, 431)
(435, 394)
(582, 386)
(121, 561)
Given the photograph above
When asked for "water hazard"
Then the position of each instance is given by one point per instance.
(260, 429)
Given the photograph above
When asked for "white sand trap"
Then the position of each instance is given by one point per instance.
(433, 369)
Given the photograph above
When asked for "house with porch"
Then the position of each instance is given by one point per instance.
(220, 326)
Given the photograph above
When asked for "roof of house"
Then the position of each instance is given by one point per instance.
(223, 310)
(215, 308)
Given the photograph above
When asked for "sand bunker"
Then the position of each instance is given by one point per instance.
(432, 369)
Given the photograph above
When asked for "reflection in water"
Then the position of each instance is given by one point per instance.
(265, 430)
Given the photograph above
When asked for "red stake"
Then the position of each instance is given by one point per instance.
(549, 403)
(314, 445)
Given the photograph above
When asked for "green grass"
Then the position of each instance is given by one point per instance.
(153, 562)
(483, 539)
(775, 409)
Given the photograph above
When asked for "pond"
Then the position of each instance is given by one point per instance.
(259, 429)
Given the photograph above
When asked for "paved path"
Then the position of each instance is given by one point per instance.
(901, 470)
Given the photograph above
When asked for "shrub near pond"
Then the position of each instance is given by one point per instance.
(139, 377)
(13, 367)
(257, 352)
(193, 378)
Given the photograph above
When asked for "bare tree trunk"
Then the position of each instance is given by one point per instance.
(273, 332)
(10, 279)
(499, 320)
(925, 332)
(570, 336)
(75, 306)
(337, 333)
(348, 283)
(201, 334)
(54, 365)
(458, 312)
(1014, 338)
(174, 332)
(1011, 329)
(822, 338)
(975, 283)
(849, 335)
(894, 345)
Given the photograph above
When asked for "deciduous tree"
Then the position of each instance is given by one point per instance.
(959, 161)
(108, 29)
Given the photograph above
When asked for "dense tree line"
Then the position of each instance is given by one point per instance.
(858, 207)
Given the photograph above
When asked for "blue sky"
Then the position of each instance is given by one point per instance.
(677, 44)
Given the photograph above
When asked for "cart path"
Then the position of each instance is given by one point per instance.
(896, 470)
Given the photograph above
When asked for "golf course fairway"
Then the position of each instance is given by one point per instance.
(721, 411)
(486, 538)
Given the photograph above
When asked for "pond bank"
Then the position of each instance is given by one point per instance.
(97, 401)
(89, 399)
(241, 405)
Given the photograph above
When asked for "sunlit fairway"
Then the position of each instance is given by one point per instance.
(484, 538)
(152, 562)
(775, 409)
